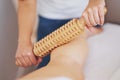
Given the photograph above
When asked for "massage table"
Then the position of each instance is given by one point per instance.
(104, 58)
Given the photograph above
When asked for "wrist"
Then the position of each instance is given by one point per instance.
(25, 41)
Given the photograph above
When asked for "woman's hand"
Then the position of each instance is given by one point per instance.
(94, 15)
(24, 55)
(26, 20)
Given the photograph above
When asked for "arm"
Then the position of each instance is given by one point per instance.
(26, 21)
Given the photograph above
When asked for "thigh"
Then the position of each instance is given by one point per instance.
(54, 72)
(76, 47)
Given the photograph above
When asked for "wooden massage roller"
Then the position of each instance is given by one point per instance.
(59, 37)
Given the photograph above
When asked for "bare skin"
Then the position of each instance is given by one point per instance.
(26, 20)
(93, 14)
(67, 62)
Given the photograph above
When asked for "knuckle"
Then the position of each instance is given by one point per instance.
(89, 10)
(19, 56)
(24, 54)
(100, 6)
(84, 14)
(94, 8)
(29, 55)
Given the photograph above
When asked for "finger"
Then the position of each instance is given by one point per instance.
(85, 16)
(28, 61)
(23, 62)
(96, 15)
(95, 30)
(101, 14)
(18, 62)
(91, 17)
(33, 59)
(34, 62)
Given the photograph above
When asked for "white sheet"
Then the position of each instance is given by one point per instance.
(104, 59)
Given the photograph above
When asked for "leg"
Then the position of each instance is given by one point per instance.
(66, 62)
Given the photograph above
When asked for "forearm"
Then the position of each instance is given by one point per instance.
(26, 19)
(95, 2)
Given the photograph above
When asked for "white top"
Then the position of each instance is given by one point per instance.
(61, 9)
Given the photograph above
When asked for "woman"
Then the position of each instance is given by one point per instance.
(52, 17)
(67, 61)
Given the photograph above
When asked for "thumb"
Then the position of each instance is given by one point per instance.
(39, 60)
(95, 30)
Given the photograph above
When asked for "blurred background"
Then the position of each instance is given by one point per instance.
(9, 31)
(8, 40)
